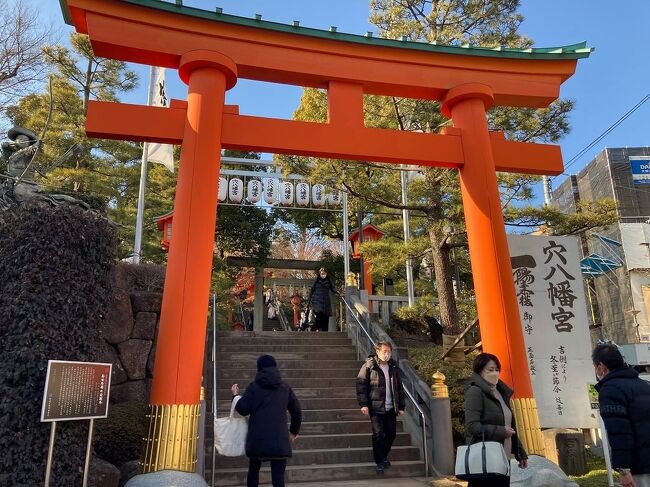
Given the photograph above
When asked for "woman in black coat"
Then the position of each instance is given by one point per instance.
(487, 412)
(319, 298)
(267, 400)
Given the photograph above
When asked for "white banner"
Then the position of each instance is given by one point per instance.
(553, 312)
(160, 153)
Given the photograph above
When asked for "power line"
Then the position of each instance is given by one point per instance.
(605, 133)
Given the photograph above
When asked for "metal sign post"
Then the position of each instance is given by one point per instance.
(606, 452)
(74, 391)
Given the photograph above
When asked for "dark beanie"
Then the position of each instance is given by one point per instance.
(265, 361)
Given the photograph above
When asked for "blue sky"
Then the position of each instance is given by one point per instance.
(605, 86)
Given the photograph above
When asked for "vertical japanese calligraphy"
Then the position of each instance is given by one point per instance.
(554, 321)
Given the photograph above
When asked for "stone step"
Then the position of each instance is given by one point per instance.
(305, 393)
(360, 426)
(327, 378)
(264, 347)
(287, 334)
(250, 361)
(281, 357)
(299, 339)
(358, 440)
(329, 456)
(349, 402)
(320, 473)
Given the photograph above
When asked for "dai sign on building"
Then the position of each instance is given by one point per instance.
(553, 310)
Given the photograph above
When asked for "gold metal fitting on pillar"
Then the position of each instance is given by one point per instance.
(351, 279)
(172, 440)
(527, 423)
(438, 388)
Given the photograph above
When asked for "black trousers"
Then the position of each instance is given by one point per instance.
(322, 321)
(277, 472)
(384, 427)
(500, 482)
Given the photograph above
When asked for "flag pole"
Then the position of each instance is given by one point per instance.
(139, 221)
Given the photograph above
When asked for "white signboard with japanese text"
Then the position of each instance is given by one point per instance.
(553, 311)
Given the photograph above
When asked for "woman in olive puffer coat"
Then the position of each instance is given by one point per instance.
(487, 412)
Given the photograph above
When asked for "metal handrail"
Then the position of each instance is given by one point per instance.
(408, 394)
(214, 381)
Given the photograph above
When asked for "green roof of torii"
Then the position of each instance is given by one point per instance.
(574, 51)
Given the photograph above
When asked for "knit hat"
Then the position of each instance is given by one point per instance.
(265, 361)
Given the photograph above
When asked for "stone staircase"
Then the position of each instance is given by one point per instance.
(334, 441)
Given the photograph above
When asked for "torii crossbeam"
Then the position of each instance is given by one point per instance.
(211, 51)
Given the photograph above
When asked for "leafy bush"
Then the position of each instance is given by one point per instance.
(56, 266)
(426, 361)
(118, 438)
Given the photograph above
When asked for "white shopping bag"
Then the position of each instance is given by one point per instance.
(230, 433)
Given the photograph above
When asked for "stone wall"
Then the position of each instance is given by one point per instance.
(130, 329)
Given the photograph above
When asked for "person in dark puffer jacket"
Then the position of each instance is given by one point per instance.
(381, 396)
(625, 407)
(319, 299)
(267, 400)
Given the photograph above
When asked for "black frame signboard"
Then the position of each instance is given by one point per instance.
(76, 390)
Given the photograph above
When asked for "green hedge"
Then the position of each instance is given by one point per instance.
(118, 438)
(55, 268)
(426, 361)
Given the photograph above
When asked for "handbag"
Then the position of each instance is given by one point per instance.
(481, 460)
(230, 433)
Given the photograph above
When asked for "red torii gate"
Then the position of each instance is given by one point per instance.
(211, 51)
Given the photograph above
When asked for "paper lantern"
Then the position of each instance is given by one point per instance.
(235, 190)
(286, 193)
(302, 194)
(254, 191)
(334, 198)
(270, 191)
(223, 189)
(318, 195)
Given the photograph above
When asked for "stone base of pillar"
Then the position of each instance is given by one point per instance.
(167, 478)
(172, 440)
(527, 424)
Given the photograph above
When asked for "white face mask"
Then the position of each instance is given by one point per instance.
(491, 377)
(383, 356)
(323, 275)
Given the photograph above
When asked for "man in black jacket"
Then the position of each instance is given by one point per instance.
(267, 400)
(624, 405)
(381, 396)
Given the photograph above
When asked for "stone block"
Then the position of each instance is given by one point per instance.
(145, 325)
(167, 478)
(540, 473)
(118, 324)
(146, 301)
(150, 360)
(566, 448)
(131, 391)
(103, 474)
(108, 354)
(133, 355)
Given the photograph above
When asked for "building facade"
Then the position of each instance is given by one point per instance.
(620, 294)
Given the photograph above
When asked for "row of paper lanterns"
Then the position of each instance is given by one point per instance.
(273, 191)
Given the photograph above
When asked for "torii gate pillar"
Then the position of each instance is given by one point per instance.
(181, 334)
(496, 302)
